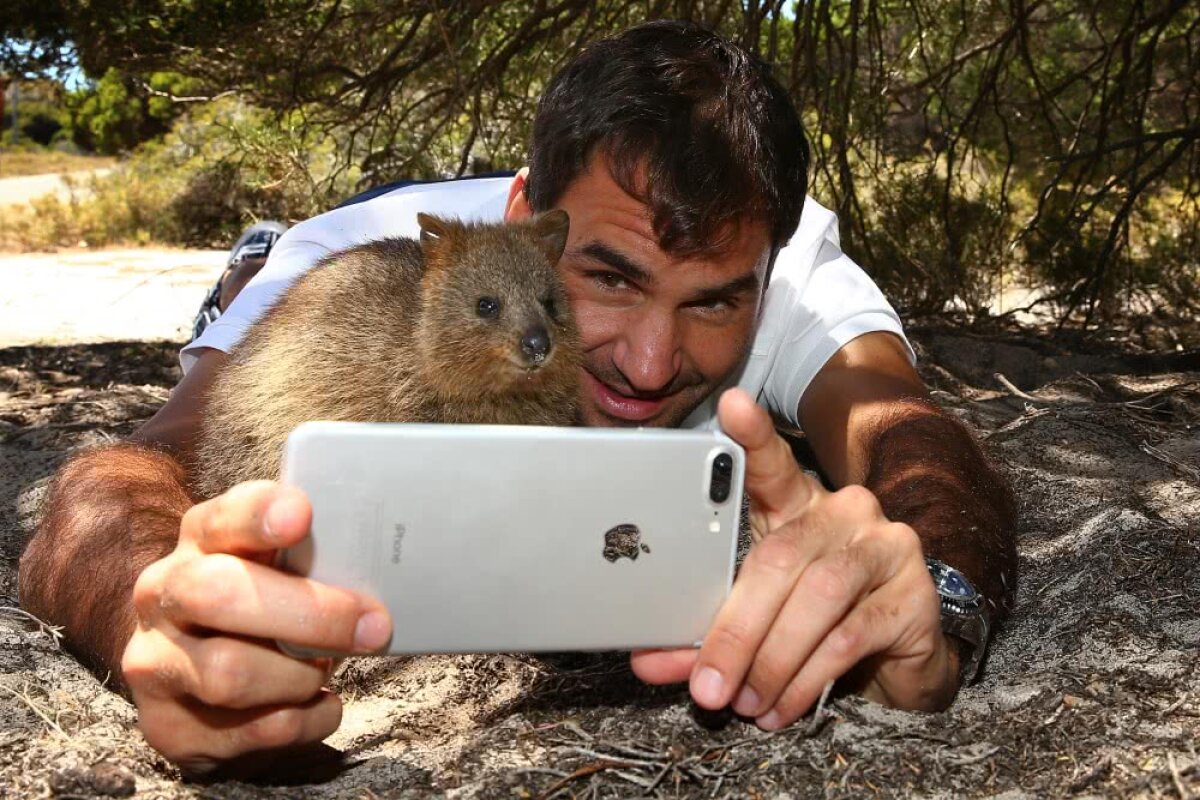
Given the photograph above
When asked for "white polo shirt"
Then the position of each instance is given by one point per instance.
(817, 299)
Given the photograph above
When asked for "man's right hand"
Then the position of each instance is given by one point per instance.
(209, 683)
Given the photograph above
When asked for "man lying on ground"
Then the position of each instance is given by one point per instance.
(690, 269)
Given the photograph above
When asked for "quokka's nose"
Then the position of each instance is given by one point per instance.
(535, 344)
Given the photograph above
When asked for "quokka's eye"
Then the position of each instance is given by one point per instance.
(550, 306)
(488, 307)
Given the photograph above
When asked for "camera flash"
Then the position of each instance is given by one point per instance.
(714, 527)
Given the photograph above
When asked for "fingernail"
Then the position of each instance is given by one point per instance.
(747, 702)
(707, 687)
(276, 519)
(770, 721)
(372, 631)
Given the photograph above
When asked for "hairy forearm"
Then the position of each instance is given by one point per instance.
(927, 471)
(109, 513)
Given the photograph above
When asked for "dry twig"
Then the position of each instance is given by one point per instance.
(1177, 778)
(1013, 390)
(1188, 470)
(54, 631)
(24, 697)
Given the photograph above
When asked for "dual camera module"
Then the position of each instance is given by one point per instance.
(721, 478)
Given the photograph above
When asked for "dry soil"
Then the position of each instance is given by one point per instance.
(1092, 689)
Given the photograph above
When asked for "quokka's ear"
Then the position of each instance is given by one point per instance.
(551, 228)
(436, 236)
(433, 228)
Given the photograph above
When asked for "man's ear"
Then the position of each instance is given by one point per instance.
(517, 207)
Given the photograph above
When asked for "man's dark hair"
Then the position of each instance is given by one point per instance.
(716, 134)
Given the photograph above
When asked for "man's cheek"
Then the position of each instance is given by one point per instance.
(597, 325)
(718, 352)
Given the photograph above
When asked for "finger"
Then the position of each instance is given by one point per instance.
(148, 590)
(773, 479)
(878, 625)
(762, 587)
(825, 591)
(930, 684)
(659, 667)
(218, 671)
(226, 672)
(251, 518)
(229, 594)
(199, 737)
(864, 631)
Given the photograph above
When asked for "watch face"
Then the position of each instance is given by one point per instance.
(951, 584)
(963, 613)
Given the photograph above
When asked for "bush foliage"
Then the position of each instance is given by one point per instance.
(963, 145)
(118, 111)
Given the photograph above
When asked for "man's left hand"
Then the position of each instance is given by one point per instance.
(829, 584)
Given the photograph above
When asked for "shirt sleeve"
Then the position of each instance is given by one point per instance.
(292, 255)
(819, 310)
(301, 247)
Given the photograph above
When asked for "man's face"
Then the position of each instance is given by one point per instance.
(660, 333)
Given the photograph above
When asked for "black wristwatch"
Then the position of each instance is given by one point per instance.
(964, 615)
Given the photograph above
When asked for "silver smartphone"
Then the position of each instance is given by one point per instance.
(492, 538)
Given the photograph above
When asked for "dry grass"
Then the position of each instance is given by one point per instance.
(15, 162)
(112, 210)
(220, 168)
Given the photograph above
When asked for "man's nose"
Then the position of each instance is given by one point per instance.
(648, 354)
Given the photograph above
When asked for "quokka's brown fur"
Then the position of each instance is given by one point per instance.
(394, 331)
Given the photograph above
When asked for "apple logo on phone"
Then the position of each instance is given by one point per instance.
(624, 541)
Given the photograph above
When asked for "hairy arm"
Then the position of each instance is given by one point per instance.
(836, 582)
(870, 422)
(175, 599)
(110, 513)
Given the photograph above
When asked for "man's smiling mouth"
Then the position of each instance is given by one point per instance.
(621, 406)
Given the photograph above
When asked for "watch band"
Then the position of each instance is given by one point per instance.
(964, 615)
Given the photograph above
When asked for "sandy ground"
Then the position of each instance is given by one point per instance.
(1092, 690)
(23, 188)
(103, 295)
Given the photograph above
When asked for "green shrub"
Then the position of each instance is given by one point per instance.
(926, 257)
(118, 112)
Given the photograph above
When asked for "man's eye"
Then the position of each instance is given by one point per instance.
(716, 306)
(610, 280)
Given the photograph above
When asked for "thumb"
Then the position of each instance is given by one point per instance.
(774, 481)
(658, 667)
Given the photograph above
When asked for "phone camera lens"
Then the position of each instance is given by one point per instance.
(721, 479)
